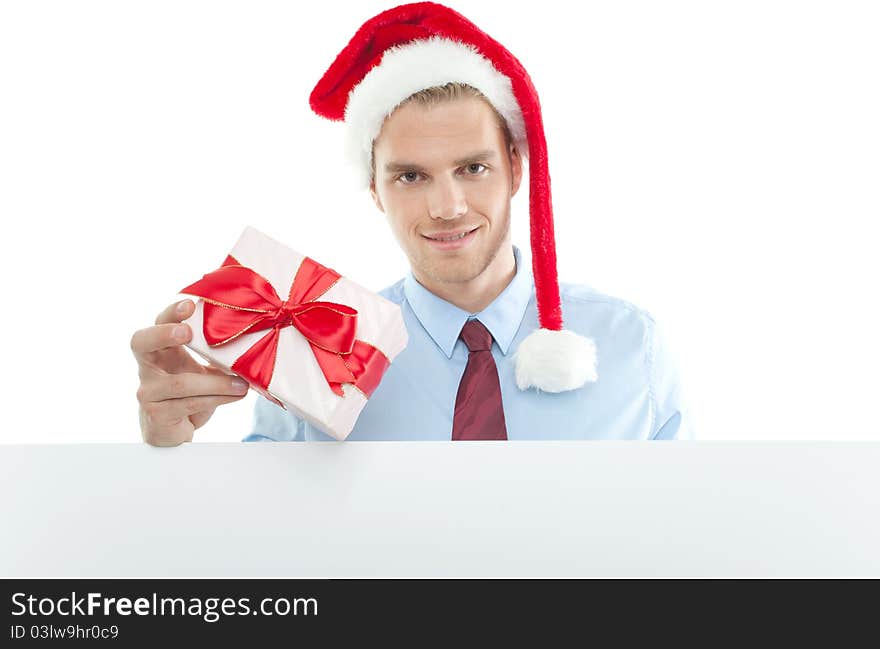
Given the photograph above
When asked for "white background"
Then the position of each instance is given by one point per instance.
(714, 163)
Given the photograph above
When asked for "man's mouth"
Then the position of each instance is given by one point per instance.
(449, 236)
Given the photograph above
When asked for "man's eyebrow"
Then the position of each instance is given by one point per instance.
(488, 154)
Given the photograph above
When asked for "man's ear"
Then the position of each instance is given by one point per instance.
(375, 196)
(515, 169)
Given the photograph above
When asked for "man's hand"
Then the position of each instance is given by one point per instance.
(177, 394)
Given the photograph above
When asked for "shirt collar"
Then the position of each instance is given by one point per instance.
(443, 320)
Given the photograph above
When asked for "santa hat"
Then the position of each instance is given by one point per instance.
(421, 45)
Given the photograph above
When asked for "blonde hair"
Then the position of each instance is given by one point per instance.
(449, 92)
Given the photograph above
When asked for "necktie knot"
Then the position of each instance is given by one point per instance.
(476, 336)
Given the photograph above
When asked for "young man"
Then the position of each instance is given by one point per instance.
(439, 117)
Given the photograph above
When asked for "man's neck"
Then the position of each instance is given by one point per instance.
(477, 294)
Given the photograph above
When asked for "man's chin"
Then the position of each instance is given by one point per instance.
(461, 272)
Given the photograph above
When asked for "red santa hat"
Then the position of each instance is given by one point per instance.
(416, 46)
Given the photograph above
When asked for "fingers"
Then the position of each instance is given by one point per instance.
(170, 411)
(172, 435)
(189, 384)
(176, 312)
(163, 336)
(199, 419)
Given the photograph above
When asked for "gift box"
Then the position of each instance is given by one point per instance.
(311, 341)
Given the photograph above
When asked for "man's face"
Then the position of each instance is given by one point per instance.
(441, 171)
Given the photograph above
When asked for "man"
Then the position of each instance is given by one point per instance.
(487, 357)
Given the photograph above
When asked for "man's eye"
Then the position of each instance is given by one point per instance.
(409, 177)
(475, 171)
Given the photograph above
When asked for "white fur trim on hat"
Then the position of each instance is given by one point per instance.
(555, 361)
(407, 69)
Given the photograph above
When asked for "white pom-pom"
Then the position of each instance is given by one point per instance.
(555, 361)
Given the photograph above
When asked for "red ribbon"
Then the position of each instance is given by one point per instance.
(239, 300)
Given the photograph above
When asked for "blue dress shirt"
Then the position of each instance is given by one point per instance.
(637, 394)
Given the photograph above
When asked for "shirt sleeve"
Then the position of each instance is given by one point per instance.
(271, 423)
(672, 417)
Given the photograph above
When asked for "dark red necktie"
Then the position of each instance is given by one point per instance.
(478, 410)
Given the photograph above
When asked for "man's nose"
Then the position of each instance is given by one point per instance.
(446, 199)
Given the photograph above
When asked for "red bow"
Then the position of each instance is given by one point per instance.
(239, 300)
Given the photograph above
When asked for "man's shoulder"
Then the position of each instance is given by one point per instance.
(582, 295)
(617, 325)
(393, 292)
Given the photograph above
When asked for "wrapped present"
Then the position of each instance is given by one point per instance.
(299, 333)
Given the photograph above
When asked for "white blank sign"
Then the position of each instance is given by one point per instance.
(441, 509)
